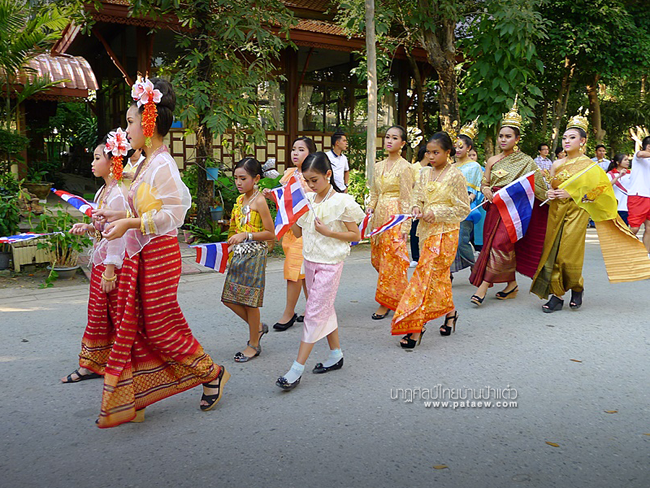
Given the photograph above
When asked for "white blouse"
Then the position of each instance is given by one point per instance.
(333, 212)
(104, 251)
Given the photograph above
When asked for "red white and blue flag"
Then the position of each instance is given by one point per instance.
(21, 237)
(213, 255)
(363, 228)
(76, 201)
(392, 222)
(291, 203)
(515, 205)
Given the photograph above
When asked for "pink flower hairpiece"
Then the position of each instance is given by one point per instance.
(143, 92)
(117, 144)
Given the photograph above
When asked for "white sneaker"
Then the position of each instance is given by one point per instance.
(413, 264)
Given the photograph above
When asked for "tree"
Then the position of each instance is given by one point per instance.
(223, 58)
(25, 32)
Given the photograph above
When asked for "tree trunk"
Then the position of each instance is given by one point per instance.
(561, 102)
(488, 147)
(371, 134)
(440, 45)
(419, 90)
(544, 127)
(204, 187)
(594, 109)
(644, 80)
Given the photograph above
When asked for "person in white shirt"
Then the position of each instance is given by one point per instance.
(339, 161)
(619, 175)
(600, 158)
(638, 192)
(542, 160)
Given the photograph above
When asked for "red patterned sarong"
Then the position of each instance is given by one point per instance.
(428, 295)
(99, 335)
(155, 354)
(389, 256)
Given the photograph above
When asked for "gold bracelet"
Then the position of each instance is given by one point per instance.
(109, 280)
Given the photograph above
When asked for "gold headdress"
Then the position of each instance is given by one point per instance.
(451, 130)
(579, 121)
(512, 118)
(470, 129)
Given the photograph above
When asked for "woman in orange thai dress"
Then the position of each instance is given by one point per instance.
(441, 202)
(155, 354)
(390, 194)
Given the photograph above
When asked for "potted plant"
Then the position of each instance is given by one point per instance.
(64, 248)
(36, 183)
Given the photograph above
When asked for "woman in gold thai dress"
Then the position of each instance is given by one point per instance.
(441, 202)
(500, 259)
(579, 190)
(390, 194)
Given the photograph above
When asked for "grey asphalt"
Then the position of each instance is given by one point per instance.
(344, 429)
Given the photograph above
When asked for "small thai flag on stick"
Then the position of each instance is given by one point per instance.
(77, 202)
(515, 205)
(213, 255)
(291, 203)
(22, 237)
(392, 222)
(363, 228)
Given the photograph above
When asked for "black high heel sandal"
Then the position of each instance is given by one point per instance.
(477, 300)
(553, 305)
(212, 400)
(445, 329)
(503, 295)
(286, 325)
(411, 343)
(576, 300)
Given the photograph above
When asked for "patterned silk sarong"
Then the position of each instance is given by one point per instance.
(246, 277)
(389, 256)
(428, 295)
(496, 263)
(155, 354)
(99, 335)
(322, 282)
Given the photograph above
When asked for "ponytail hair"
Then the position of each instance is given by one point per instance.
(252, 166)
(320, 163)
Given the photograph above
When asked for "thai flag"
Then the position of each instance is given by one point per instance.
(20, 237)
(77, 202)
(392, 222)
(291, 202)
(515, 205)
(363, 228)
(213, 255)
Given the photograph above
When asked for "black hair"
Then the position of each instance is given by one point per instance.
(583, 135)
(311, 147)
(320, 163)
(421, 152)
(645, 143)
(619, 157)
(401, 129)
(444, 141)
(165, 107)
(337, 136)
(252, 166)
(539, 148)
(467, 140)
(514, 129)
(558, 150)
(598, 146)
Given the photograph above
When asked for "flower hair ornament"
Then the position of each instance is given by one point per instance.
(117, 145)
(144, 93)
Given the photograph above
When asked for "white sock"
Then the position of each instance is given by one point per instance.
(295, 372)
(334, 357)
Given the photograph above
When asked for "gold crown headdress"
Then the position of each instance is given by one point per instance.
(579, 121)
(451, 130)
(470, 129)
(512, 118)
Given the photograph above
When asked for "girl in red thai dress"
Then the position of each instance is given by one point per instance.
(155, 354)
(106, 262)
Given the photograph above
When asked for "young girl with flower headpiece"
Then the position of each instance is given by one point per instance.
(327, 230)
(107, 258)
(155, 354)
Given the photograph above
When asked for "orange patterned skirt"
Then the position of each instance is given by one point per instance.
(428, 295)
(389, 256)
(99, 335)
(155, 354)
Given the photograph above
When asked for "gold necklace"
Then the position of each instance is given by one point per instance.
(441, 172)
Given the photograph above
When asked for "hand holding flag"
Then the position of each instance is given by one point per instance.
(77, 202)
(291, 203)
(213, 255)
(515, 204)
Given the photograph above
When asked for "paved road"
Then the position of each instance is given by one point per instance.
(343, 428)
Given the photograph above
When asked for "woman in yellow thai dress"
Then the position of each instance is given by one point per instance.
(500, 259)
(580, 189)
(441, 202)
(390, 194)
(292, 245)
